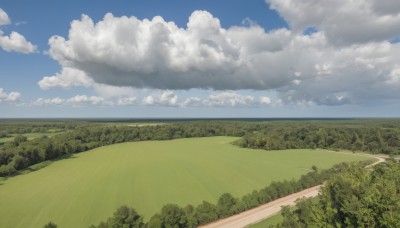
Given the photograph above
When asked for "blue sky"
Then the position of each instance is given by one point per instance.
(199, 58)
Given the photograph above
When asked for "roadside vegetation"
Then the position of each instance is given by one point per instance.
(352, 198)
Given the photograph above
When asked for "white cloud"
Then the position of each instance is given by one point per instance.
(9, 97)
(343, 22)
(15, 41)
(265, 100)
(84, 100)
(67, 78)
(4, 19)
(70, 77)
(192, 101)
(228, 98)
(301, 68)
(394, 77)
(126, 101)
(222, 99)
(49, 102)
(167, 98)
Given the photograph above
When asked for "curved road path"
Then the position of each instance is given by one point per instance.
(267, 210)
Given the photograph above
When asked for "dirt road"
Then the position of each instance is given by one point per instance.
(267, 210)
(264, 211)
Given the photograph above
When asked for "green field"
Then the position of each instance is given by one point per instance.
(89, 186)
(271, 221)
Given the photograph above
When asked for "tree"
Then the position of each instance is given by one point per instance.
(172, 216)
(50, 225)
(226, 205)
(155, 221)
(206, 212)
(19, 139)
(353, 198)
(126, 217)
(123, 217)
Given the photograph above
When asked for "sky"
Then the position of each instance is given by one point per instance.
(172, 59)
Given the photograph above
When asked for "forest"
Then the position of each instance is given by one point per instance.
(374, 136)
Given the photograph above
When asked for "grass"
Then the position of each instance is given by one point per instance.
(87, 187)
(271, 221)
(275, 219)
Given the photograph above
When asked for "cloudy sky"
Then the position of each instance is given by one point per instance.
(274, 58)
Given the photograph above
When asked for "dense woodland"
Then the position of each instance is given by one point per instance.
(374, 136)
(172, 215)
(352, 198)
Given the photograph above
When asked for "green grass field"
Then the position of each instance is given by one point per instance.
(271, 221)
(86, 188)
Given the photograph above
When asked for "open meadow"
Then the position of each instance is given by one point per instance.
(88, 187)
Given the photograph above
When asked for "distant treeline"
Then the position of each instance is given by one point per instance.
(172, 215)
(375, 136)
(23, 127)
(360, 138)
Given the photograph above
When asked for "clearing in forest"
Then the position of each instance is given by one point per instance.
(87, 188)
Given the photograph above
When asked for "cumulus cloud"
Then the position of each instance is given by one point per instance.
(344, 22)
(15, 41)
(126, 101)
(228, 99)
(84, 100)
(67, 78)
(4, 19)
(71, 77)
(49, 102)
(328, 67)
(167, 98)
(265, 100)
(9, 97)
(222, 99)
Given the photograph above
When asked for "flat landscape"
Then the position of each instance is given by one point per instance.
(87, 187)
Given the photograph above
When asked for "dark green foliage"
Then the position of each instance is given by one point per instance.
(369, 138)
(50, 225)
(353, 198)
(19, 139)
(155, 221)
(190, 216)
(124, 217)
(172, 216)
(226, 205)
(206, 212)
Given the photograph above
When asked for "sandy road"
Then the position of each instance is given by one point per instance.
(267, 210)
(264, 211)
